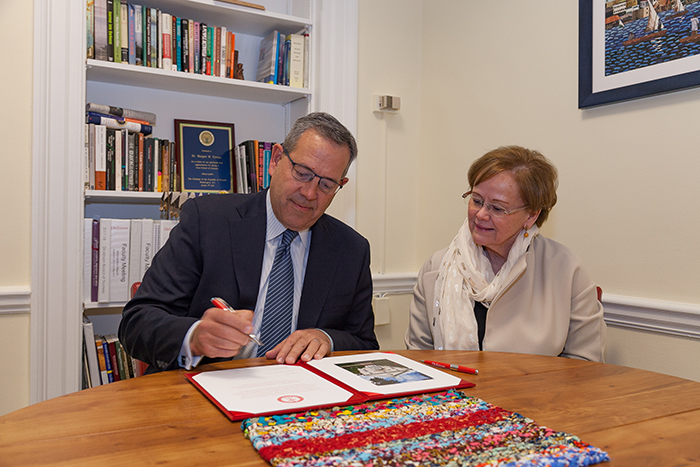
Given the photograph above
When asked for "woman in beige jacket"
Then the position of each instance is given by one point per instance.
(500, 285)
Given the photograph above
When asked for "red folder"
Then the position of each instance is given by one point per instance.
(357, 396)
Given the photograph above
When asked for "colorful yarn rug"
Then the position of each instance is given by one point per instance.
(448, 428)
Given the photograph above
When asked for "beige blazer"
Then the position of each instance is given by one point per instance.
(549, 307)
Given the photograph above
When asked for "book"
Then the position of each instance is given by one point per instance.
(138, 34)
(192, 38)
(90, 28)
(109, 157)
(148, 149)
(119, 260)
(87, 260)
(140, 163)
(148, 117)
(216, 51)
(349, 379)
(267, 156)
(146, 246)
(100, 157)
(146, 25)
(280, 59)
(132, 25)
(178, 44)
(108, 361)
(296, 60)
(110, 340)
(128, 362)
(100, 350)
(224, 43)
(124, 35)
(117, 30)
(159, 50)
(86, 156)
(91, 352)
(203, 32)
(86, 383)
(104, 261)
(173, 42)
(91, 158)
(167, 28)
(95, 261)
(134, 253)
(117, 124)
(154, 38)
(185, 44)
(110, 30)
(307, 60)
(267, 60)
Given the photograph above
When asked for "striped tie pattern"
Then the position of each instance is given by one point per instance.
(279, 301)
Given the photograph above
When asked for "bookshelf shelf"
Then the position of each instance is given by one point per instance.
(122, 196)
(177, 81)
(99, 305)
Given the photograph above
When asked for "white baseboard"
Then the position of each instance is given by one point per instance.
(679, 319)
(14, 300)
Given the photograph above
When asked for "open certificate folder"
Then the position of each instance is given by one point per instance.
(350, 379)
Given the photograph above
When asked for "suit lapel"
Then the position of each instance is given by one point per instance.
(247, 236)
(320, 271)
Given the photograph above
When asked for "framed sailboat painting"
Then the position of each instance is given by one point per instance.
(629, 50)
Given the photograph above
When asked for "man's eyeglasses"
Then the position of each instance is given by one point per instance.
(304, 174)
(477, 202)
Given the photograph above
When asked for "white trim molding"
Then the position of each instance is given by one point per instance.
(393, 284)
(679, 319)
(14, 300)
(57, 207)
(660, 316)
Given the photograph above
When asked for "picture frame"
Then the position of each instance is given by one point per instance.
(205, 155)
(670, 73)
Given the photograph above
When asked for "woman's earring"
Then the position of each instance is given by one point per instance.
(526, 234)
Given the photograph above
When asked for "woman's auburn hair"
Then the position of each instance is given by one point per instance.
(534, 174)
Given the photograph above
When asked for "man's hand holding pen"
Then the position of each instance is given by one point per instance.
(221, 333)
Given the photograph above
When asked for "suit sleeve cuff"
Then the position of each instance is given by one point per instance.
(329, 338)
(186, 360)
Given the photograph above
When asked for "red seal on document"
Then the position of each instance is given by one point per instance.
(290, 399)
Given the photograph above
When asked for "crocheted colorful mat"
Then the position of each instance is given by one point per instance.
(449, 428)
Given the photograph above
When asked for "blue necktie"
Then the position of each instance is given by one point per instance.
(279, 301)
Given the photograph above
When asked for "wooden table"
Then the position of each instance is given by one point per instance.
(638, 417)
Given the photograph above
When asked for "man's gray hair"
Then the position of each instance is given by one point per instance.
(327, 126)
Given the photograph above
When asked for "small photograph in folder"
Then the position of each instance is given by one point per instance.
(383, 371)
(385, 374)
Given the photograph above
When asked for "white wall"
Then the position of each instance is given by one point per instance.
(486, 74)
(15, 193)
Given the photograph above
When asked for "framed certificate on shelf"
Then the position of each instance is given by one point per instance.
(205, 155)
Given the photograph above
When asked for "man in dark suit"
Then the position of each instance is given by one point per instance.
(224, 245)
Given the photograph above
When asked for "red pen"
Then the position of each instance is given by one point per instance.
(221, 303)
(452, 366)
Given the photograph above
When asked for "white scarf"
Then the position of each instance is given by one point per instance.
(466, 276)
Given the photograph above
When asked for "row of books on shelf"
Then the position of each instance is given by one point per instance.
(119, 158)
(105, 360)
(117, 254)
(252, 163)
(122, 32)
(284, 60)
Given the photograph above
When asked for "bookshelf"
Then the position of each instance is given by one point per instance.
(65, 81)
